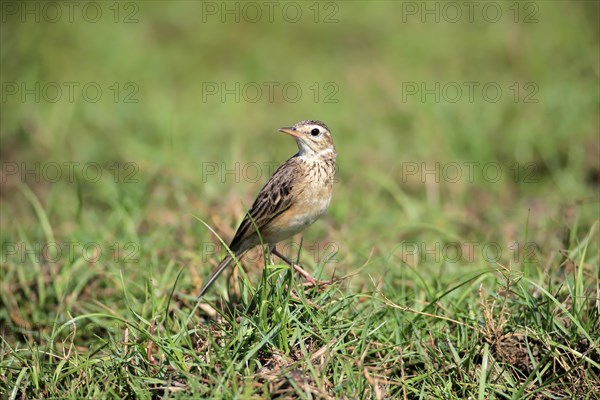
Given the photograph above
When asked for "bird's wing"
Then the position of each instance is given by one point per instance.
(272, 200)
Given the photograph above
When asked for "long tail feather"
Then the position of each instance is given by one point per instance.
(215, 274)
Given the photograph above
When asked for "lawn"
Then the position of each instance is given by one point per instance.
(463, 235)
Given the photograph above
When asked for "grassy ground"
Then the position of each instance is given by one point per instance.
(464, 224)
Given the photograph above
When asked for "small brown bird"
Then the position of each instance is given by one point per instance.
(295, 196)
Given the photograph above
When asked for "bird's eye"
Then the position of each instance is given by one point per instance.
(315, 132)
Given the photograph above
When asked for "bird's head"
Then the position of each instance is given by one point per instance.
(313, 138)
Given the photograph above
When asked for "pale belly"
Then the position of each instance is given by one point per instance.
(306, 211)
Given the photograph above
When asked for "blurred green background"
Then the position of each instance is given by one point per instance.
(185, 87)
(123, 122)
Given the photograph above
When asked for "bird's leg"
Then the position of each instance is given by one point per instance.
(270, 255)
(310, 280)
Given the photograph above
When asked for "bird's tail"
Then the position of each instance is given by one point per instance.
(215, 274)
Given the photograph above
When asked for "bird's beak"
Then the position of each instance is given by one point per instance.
(290, 131)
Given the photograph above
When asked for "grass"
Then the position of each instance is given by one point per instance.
(450, 286)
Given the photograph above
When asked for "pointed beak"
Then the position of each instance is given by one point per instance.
(290, 131)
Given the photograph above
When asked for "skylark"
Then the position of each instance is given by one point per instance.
(293, 198)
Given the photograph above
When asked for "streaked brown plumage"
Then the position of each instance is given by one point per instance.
(295, 196)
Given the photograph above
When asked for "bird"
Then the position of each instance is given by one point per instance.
(294, 197)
